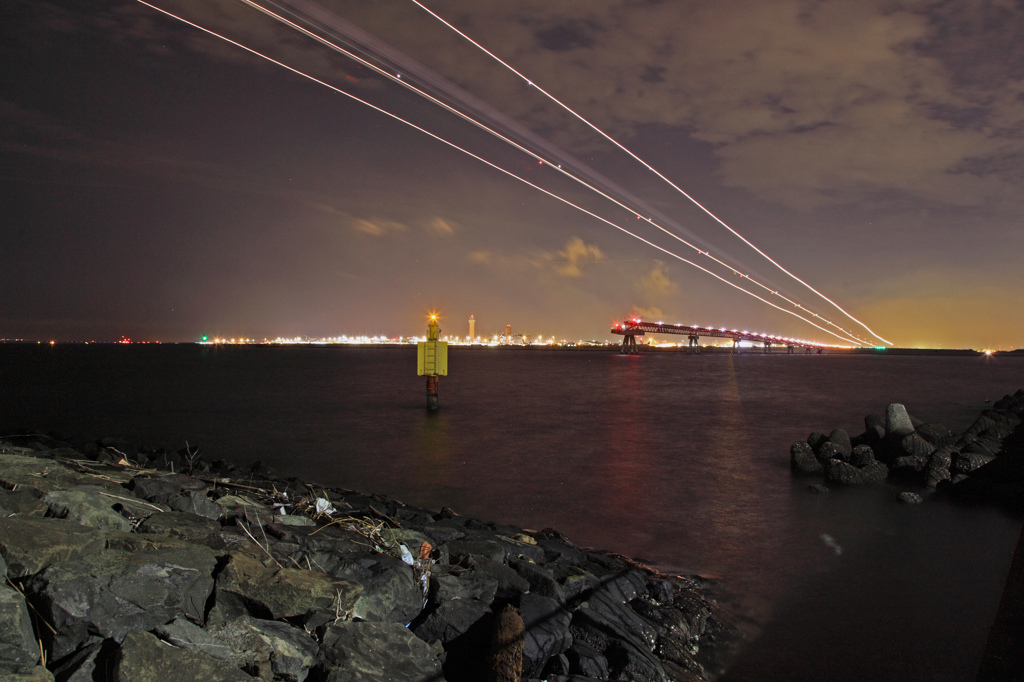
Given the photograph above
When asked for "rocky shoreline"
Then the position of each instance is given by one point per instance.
(983, 464)
(128, 563)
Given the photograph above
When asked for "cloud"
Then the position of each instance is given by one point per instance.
(377, 227)
(803, 103)
(575, 254)
(442, 227)
(656, 281)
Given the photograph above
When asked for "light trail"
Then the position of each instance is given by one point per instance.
(646, 165)
(495, 167)
(329, 20)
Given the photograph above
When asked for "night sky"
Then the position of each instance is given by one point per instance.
(159, 183)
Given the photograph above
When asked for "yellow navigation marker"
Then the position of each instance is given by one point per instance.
(432, 360)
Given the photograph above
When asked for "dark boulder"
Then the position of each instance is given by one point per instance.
(843, 473)
(18, 646)
(862, 456)
(111, 593)
(547, 632)
(841, 440)
(369, 652)
(803, 460)
(144, 658)
(30, 544)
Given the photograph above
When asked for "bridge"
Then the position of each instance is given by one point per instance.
(633, 327)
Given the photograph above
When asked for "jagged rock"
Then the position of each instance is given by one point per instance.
(47, 475)
(114, 592)
(184, 525)
(183, 633)
(390, 590)
(194, 502)
(803, 459)
(542, 580)
(18, 646)
(79, 666)
(815, 440)
(547, 632)
(450, 620)
(162, 489)
(144, 658)
(897, 421)
(36, 674)
(271, 647)
(509, 584)
(628, 656)
(359, 651)
(30, 544)
(248, 586)
(446, 587)
(841, 440)
(22, 502)
(87, 506)
(587, 661)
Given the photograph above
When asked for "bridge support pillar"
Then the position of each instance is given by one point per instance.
(735, 346)
(767, 347)
(694, 345)
(789, 349)
(629, 346)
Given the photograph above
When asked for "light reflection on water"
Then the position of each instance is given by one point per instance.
(679, 460)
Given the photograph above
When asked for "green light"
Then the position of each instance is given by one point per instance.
(204, 337)
(876, 347)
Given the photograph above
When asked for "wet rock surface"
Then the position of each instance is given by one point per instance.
(122, 565)
(984, 464)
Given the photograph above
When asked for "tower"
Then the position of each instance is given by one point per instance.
(472, 328)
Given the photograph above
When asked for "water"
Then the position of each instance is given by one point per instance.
(679, 460)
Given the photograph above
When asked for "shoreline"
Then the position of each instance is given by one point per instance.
(248, 573)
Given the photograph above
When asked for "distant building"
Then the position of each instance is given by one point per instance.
(472, 328)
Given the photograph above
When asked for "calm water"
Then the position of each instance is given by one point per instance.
(679, 460)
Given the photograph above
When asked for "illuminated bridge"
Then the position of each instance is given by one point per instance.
(634, 327)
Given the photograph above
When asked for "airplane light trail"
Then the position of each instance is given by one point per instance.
(600, 132)
(298, 72)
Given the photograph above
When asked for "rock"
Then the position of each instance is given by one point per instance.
(862, 456)
(938, 469)
(451, 619)
(818, 488)
(370, 652)
(915, 446)
(390, 590)
(87, 506)
(18, 645)
(909, 466)
(144, 658)
(290, 651)
(843, 473)
(505, 658)
(30, 544)
(587, 661)
(841, 440)
(197, 503)
(547, 632)
(910, 498)
(161, 489)
(248, 586)
(114, 592)
(936, 434)
(542, 580)
(46, 475)
(35, 674)
(830, 450)
(802, 459)
(966, 462)
(897, 421)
